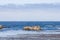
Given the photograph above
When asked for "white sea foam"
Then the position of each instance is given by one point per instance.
(16, 32)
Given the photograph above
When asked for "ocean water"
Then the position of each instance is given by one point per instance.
(18, 25)
(14, 28)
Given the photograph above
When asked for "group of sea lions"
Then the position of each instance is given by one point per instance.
(36, 28)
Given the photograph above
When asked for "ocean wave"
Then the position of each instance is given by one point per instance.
(16, 32)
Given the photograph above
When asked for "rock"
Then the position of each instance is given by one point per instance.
(27, 28)
(36, 28)
(1, 26)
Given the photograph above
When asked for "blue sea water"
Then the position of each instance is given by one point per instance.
(18, 25)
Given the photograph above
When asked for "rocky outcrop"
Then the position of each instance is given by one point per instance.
(36, 28)
(27, 28)
(1, 26)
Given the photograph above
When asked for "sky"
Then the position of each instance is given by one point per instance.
(30, 15)
(43, 14)
(2, 2)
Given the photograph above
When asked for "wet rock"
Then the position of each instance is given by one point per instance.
(36, 28)
(27, 28)
(1, 26)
